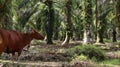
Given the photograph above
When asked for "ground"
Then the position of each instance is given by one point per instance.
(47, 55)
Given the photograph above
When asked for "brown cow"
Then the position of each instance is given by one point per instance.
(13, 41)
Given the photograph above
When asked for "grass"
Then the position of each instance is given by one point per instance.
(111, 62)
(107, 40)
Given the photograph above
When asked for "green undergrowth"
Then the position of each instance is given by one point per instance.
(90, 51)
(111, 62)
(107, 40)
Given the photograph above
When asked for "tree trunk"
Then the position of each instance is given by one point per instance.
(88, 20)
(114, 35)
(69, 22)
(67, 38)
(118, 17)
(99, 36)
(86, 36)
(96, 23)
(50, 22)
(99, 29)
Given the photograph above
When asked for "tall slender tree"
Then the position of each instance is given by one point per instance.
(88, 20)
(96, 22)
(101, 18)
(50, 21)
(114, 23)
(118, 17)
(98, 28)
(69, 22)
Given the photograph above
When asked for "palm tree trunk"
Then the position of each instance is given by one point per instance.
(118, 17)
(96, 24)
(114, 35)
(86, 36)
(67, 38)
(88, 19)
(99, 36)
(49, 24)
(69, 22)
(99, 27)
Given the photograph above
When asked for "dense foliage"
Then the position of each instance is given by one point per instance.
(78, 19)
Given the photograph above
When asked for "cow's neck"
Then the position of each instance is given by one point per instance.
(27, 38)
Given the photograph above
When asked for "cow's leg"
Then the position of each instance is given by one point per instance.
(12, 59)
(2, 45)
(19, 53)
(17, 57)
(2, 48)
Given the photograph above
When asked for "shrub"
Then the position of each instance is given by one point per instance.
(90, 51)
(79, 58)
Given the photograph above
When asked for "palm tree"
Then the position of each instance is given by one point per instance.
(118, 16)
(88, 20)
(50, 21)
(69, 22)
(98, 31)
(100, 18)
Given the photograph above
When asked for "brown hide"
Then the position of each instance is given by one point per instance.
(13, 41)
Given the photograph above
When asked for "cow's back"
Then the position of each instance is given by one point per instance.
(15, 41)
(11, 40)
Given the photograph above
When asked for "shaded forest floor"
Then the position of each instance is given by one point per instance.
(47, 55)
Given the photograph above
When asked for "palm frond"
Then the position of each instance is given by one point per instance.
(104, 14)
